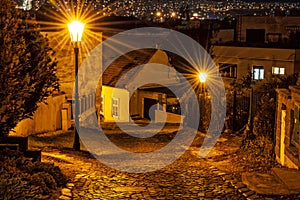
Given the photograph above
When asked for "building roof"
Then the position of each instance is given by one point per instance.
(124, 64)
(120, 71)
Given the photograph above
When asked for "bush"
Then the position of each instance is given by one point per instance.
(21, 178)
(43, 180)
(51, 169)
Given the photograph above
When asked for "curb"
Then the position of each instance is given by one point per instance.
(238, 185)
(66, 193)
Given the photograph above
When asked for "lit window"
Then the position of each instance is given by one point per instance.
(275, 70)
(115, 107)
(258, 72)
(278, 70)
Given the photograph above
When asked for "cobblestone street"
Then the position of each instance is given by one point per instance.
(189, 177)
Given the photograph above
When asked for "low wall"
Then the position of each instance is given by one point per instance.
(48, 117)
(162, 116)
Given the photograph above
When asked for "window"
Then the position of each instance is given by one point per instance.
(255, 35)
(228, 70)
(258, 72)
(274, 37)
(115, 107)
(278, 70)
(102, 105)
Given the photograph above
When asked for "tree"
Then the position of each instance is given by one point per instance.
(28, 67)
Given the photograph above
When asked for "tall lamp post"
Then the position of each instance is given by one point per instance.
(76, 30)
(202, 78)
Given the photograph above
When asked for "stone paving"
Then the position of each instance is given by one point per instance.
(187, 178)
(193, 182)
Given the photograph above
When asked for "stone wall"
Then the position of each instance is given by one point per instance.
(286, 153)
(48, 117)
(167, 117)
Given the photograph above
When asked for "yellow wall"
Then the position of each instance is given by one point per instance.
(123, 95)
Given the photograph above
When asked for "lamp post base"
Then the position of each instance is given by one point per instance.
(76, 144)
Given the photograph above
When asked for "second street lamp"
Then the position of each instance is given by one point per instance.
(76, 30)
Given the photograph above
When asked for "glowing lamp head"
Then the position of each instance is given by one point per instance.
(202, 77)
(76, 30)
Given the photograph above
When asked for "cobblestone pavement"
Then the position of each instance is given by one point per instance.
(218, 176)
(187, 178)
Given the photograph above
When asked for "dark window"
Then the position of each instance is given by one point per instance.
(255, 35)
(274, 37)
(228, 70)
(295, 38)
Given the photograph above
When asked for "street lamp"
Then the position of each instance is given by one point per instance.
(202, 98)
(202, 77)
(76, 30)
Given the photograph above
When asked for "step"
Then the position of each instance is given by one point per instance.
(22, 141)
(36, 155)
(9, 146)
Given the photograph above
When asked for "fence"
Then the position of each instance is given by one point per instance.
(239, 105)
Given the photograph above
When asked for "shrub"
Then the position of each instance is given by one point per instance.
(51, 169)
(43, 180)
(21, 178)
